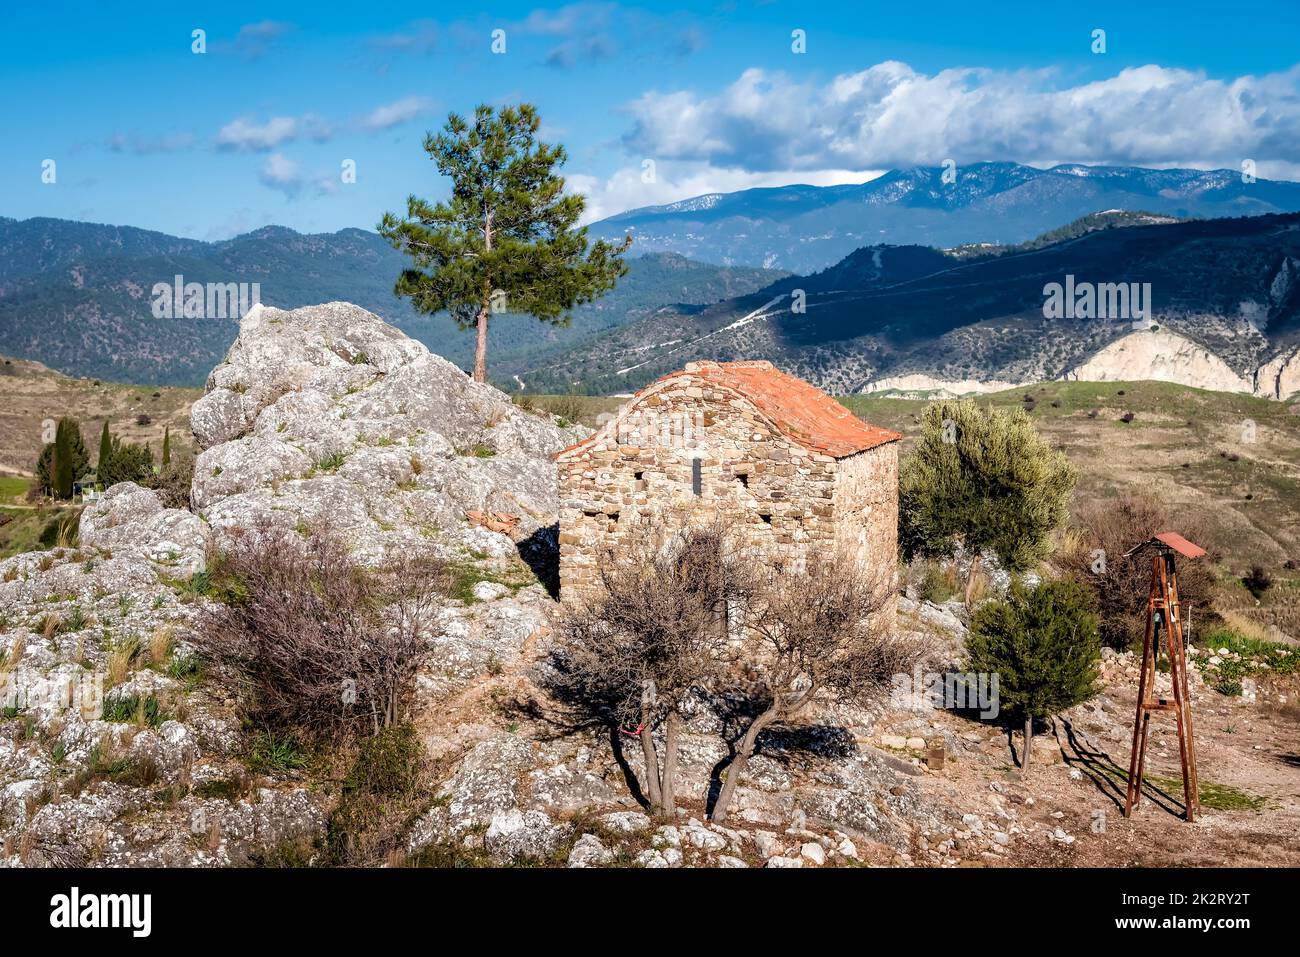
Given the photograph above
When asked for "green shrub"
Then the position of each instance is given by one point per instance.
(1044, 646)
(380, 796)
(270, 752)
(388, 763)
(133, 707)
(1257, 580)
(173, 481)
(1245, 658)
(126, 463)
(983, 479)
(938, 584)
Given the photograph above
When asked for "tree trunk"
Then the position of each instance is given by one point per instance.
(480, 344)
(738, 763)
(485, 309)
(667, 786)
(652, 792)
(970, 576)
(1029, 740)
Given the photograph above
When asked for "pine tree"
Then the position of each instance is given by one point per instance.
(167, 446)
(507, 239)
(1043, 644)
(986, 479)
(105, 446)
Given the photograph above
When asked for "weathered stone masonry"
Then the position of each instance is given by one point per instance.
(793, 470)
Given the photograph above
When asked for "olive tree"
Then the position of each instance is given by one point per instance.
(817, 632)
(651, 634)
(984, 479)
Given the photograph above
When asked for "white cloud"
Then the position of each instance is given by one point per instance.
(890, 115)
(246, 135)
(626, 189)
(569, 19)
(254, 40)
(396, 113)
(120, 142)
(588, 32)
(420, 37)
(280, 172)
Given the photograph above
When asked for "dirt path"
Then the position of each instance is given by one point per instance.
(1249, 766)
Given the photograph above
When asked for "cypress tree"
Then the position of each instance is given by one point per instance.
(63, 465)
(105, 446)
(66, 455)
(167, 446)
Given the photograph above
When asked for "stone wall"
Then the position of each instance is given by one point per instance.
(641, 471)
(866, 500)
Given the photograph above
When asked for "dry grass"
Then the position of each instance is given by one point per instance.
(11, 658)
(31, 391)
(1247, 627)
(121, 660)
(161, 643)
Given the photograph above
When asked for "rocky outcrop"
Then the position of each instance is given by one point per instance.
(1152, 354)
(328, 415)
(1279, 378)
(130, 519)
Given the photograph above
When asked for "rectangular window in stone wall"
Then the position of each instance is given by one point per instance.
(697, 479)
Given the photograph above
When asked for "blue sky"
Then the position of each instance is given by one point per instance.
(145, 132)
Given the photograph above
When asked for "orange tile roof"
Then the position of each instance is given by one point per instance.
(1171, 540)
(802, 412)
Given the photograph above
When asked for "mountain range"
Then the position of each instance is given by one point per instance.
(806, 228)
(77, 296)
(958, 305)
(1224, 298)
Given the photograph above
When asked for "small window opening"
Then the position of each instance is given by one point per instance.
(697, 478)
(766, 517)
(743, 479)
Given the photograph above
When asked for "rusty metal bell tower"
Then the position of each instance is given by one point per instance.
(1164, 619)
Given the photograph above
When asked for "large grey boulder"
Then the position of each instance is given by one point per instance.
(130, 519)
(328, 415)
(515, 836)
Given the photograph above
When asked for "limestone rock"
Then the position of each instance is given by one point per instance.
(328, 415)
(131, 519)
(516, 835)
(626, 822)
(814, 853)
(588, 851)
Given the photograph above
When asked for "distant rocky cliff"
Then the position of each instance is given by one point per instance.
(1157, 354)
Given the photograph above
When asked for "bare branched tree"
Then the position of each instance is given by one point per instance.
(316, 642)
(816, 632)
(654, 631)
(1108, 529)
